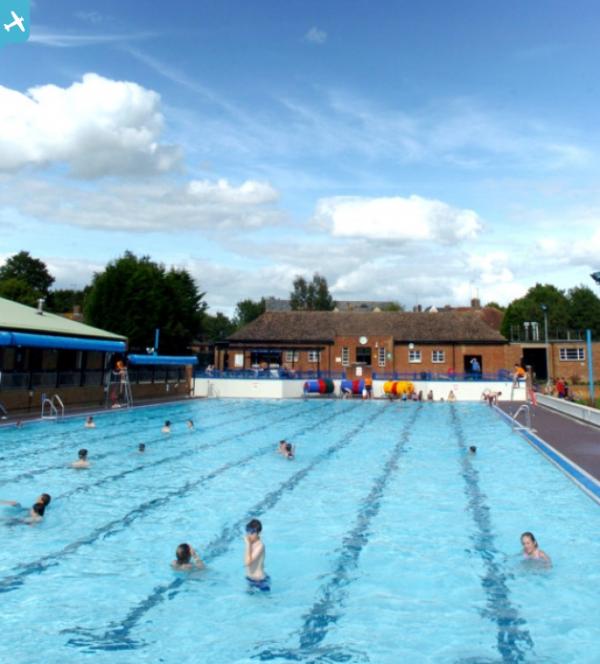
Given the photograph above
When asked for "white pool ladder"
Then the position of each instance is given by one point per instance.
(52, 408)
(520, 427)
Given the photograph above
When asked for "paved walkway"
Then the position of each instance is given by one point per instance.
(579, 442)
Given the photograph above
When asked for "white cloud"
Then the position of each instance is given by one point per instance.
(397, 219)
(149, 206)
(316, 35)
(96, 127)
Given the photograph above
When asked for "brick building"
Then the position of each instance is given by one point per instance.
(364, 343)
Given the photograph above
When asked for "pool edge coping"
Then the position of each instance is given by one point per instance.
(578, 475)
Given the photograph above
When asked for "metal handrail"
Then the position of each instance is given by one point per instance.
(522, 409)
(52, 411)
(57, 400)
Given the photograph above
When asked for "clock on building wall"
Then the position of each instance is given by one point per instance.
(362, 340)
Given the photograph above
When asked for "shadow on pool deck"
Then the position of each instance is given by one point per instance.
(579, 442)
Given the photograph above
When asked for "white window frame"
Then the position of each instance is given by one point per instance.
(314, 356)
(381, 353)
(415, 357)
(345, 356)
(578, 353)
(292, 355)
(436, 355)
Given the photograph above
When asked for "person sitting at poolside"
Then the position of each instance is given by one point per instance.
(89, 423)
(186, 559)
(430, 395)
(142, 447)
(190, 424)
(254, 557)
(166, 427)
(346, 392)
(531, 550)
(82, 462)
(451, 396)
(289, 451)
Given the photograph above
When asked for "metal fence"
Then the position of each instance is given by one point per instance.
(30, 380)
(279, 374)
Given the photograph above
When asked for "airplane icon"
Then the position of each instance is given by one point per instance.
(18, 22)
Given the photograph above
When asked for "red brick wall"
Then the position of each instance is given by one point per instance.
(573, 370)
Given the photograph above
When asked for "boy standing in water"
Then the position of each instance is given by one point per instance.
(254, 557)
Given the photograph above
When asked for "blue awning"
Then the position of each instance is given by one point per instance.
(162, 360)
(63, 343)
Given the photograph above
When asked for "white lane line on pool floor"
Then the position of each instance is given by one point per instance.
(117, 636)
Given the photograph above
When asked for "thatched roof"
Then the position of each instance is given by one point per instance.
(324, 326)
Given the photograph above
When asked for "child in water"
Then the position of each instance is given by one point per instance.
(186, 559)
(254, 558)
(531, 550)
(82, 462)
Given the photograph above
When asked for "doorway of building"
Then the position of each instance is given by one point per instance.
(473, 365)
(536, 358)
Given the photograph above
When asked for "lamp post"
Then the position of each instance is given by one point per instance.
(544, 308)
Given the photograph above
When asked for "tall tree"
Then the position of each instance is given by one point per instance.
(311, 296)
(248, 310)
(134, 296)
(529, 308)
(31, 271)
(20, 291)
(584, 310)
(63, 300)
(218, 327)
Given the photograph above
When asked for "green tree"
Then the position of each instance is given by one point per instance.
(248, 310)
(584, 310)
(494, 305)
(311, 296)
(63, 300)
(392, 306)
(134, 296)
(31, 271)
(529, 309)
(19, 291)
(218, 327)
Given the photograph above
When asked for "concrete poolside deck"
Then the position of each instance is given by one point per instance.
(578, 441)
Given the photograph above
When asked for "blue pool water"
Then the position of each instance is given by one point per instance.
(386, 542)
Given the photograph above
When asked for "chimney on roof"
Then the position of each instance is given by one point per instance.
(475, 303)
(40, 307)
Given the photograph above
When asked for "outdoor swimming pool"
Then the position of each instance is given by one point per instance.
(386, 542)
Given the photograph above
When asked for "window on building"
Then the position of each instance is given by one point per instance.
(438, 356)
(381, 357)
(363, 355)
(414, 356)
(345, 356)
(292, 355)
(314, 356)
(572, 354)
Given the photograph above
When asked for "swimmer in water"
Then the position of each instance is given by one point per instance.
(472, 449)
(531, 549)
(142, 447)
(89, 423)
(167, 427)
(254, 557)
(82, 462)
(36, 514)
(190, 424)
(281, 447)
(186, 559)
(290, 451)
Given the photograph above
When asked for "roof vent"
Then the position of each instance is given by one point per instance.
(40, 307)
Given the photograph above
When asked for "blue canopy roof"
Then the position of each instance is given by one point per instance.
(162, 360)
(69, 343)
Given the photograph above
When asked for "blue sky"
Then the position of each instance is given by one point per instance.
(421, 152)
